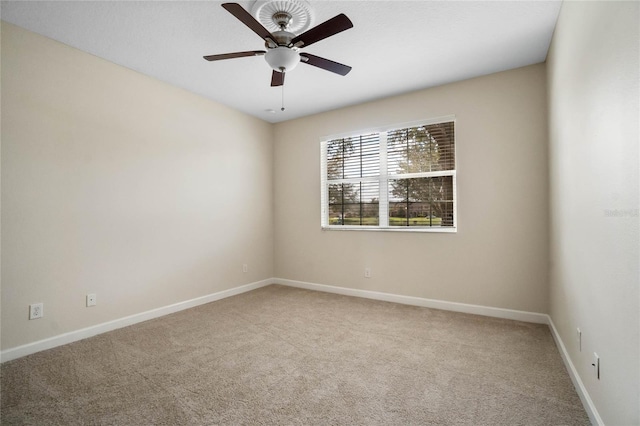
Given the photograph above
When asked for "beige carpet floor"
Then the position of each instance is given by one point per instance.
(280, 355)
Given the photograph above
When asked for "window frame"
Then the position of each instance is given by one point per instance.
(383, 180)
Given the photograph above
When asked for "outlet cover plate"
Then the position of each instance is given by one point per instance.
(36, 310)
(91, 300)
(579, 333)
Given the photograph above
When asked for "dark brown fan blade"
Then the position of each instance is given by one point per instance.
(277, 78)
(326, 29)
(245, 17)
(325, 64)
(234, 55)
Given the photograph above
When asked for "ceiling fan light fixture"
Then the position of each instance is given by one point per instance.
(282, 58)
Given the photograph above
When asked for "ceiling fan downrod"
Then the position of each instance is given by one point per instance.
(282, 19)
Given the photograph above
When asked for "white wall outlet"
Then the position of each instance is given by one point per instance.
(579, 332)
(245, 267)
(367, 272)
(92, 300)
(36, 310)
(596, 365)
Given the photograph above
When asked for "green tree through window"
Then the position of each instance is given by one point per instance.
(421, 201)
(350, 200)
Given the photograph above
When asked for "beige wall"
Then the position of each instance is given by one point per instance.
(593, 73)
(497, 258)
(118, 184)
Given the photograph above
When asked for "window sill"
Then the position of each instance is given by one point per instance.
(434, 229)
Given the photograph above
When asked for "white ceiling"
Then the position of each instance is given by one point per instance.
(394, 46)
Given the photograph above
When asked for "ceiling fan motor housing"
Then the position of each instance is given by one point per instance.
(283, 38)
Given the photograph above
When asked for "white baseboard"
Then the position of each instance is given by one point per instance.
(73, 336)
(587, 402)
(533, 317)
(419, 301)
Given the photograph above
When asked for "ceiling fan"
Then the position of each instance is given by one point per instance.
(283, 47)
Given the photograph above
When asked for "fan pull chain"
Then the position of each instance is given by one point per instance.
(282, 106)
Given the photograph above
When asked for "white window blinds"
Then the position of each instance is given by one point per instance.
(395, 179)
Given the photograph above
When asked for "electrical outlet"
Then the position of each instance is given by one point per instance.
(245, 268)
(579, 332)
(91, 299)
(596, 365)
(367, 272)
(36, 311)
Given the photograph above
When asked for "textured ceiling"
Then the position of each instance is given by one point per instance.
(394, 47)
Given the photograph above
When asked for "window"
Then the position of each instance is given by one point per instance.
(392, 179)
